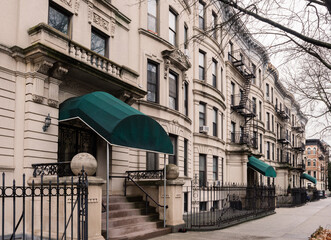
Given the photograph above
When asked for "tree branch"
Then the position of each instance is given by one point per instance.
(277, 25)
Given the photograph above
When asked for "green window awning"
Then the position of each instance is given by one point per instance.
(117, 122)
(261, 167)
(309, 178)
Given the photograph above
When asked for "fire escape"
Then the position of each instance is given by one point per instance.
(242, 105)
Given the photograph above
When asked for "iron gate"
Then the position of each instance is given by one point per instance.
(46, 208)
(214, 206)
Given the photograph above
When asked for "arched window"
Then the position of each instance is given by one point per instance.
(308, 162)
(314, 162)
(308, 151)
(314, 151)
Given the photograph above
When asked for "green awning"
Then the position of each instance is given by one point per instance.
(117, 122)
(261, 167)
(309, 178)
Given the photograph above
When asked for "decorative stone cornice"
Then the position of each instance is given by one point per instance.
(67, 2)
(43, 66)
(177, 58)
(100, 21)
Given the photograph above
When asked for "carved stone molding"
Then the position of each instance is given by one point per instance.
(166, 68)
(37, 98)
(52, 103)
(100, 21)
(43, 66)
(76, 8)
(58, 71)
(67, 2)
(90, 12)
(177, 58)
(112, 27)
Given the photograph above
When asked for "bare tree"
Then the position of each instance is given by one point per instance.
(301, 29)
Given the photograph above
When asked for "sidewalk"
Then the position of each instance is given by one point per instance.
(287, 224)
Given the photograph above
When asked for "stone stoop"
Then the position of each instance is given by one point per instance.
(128, 219)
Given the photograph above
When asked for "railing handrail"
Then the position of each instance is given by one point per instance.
(147, 195)
(166, 206)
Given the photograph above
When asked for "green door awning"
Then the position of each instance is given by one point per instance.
(117, 122)
(261, 167)
(309, 178)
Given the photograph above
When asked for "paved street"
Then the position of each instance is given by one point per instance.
(287, 224)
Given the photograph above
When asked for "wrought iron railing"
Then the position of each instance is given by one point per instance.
(50, 209)
(59, 168)
(239, 138)
(146, 174)
(242, 63)
(246, 107)
(213, 207)
(281, 113)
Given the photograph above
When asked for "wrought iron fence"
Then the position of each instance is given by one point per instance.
(214, 207)
(44, 209)
(291, 197)
(146, 174)
(59, 168)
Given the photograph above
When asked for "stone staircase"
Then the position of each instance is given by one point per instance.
(128, 219)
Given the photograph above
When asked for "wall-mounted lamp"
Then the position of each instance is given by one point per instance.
(47, 122)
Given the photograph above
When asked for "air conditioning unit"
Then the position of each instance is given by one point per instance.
(204, 129)
(187, 53)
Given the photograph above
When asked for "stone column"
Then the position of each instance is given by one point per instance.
(174, 200)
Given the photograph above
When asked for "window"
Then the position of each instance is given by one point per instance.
(173, 158)
(73, 140)
(222, 125)
(152, 16)
(267, 91)
(233, 131)
(173, 91)
(214, 73)
(272, 123)
(185, 157)
(309, 172)
(241, 134)
(308, 162)
(268, 121)
(214, 24)
(230, 53)
(254, 105)
(314, 151)
(201, 16)
(186, 98)
(232, 93)
(201, 65)
(272, 95)
(260, 142)
(58, 18)
(273, 151)
(172, 27)
(215, 113)
(260, 110)
(308, 151)
(314, 174)
(314, 163)
(268, 150)
(215, 168)
(260, 78)
(203, 206)
(152, 161)
(221, 79)
(254, 72)
(98, 42)
(152, 82)
(185, 37)
(202, 114)
(202, 170)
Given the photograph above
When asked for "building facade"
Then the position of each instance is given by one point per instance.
(210, 86)
(317, 160)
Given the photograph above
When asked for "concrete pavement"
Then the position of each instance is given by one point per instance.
(287, 224)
